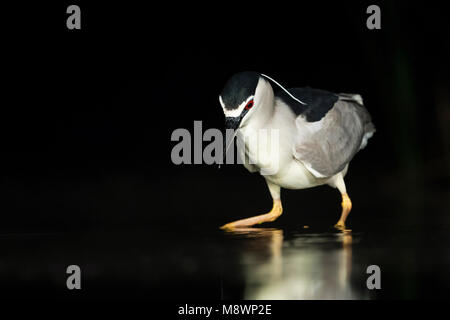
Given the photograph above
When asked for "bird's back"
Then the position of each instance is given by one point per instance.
(331, 128)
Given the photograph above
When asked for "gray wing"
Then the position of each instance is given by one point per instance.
(325, 147)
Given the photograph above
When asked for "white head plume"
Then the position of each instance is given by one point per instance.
(266, 76)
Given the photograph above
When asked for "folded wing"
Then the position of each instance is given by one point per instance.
(326, 146)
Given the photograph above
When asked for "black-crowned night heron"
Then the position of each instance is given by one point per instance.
(318, 134)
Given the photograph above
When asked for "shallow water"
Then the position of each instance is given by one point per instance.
(255, 263)
(183, 254)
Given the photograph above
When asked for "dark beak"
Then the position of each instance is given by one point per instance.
(232, 122)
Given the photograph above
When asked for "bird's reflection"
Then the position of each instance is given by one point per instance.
(303, 266)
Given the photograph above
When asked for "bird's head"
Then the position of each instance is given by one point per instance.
(241, 97)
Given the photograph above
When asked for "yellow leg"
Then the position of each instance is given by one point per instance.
(276, 211)
(346, 207)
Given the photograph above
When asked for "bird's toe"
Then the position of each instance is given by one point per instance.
(228, 226)
(340, 225)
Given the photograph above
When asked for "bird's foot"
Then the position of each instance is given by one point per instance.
(276, 211)
(340, 225)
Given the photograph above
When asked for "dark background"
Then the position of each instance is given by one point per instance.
(87, 117)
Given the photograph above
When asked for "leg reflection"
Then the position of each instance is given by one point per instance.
(308, 266)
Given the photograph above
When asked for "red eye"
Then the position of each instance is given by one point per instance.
(249, 105)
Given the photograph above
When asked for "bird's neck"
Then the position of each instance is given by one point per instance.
(257, 135)
(262, 115)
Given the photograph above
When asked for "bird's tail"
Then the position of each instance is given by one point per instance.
(369, 127)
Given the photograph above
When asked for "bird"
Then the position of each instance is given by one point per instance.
(318, 134)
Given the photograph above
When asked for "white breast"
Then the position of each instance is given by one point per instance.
(270, 149)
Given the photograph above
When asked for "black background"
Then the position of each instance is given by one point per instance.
(87, 115)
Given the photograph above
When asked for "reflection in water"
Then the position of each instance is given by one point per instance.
(308, 266)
